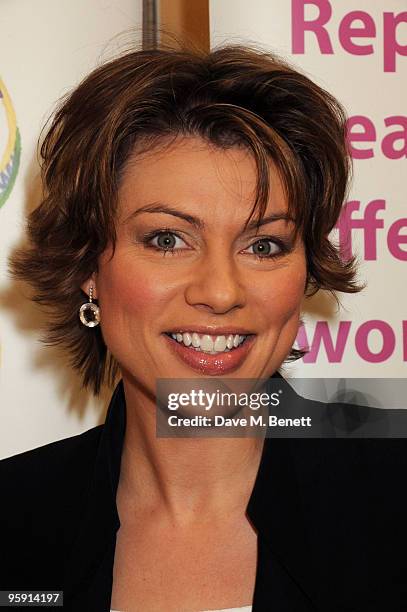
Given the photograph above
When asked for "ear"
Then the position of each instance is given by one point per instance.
(86, 286)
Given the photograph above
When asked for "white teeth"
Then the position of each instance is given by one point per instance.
(186, 338)
(208, 344)
(220, 343)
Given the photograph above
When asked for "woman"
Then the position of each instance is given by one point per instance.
(188, 204)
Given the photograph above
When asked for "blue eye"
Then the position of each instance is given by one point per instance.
(164, 241)
(267, 248)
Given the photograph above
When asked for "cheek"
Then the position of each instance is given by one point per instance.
(280, 298)
(129, 291)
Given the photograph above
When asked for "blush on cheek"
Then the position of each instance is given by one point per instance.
(139, 295)
(127, 289)
(281, 300)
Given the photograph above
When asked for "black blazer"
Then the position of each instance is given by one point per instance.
(330, 515)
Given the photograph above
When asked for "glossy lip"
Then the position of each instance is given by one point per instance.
(204, 363)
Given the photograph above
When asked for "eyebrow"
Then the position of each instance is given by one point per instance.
(198, 223)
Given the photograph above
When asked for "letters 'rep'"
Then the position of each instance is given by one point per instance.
(354, 28)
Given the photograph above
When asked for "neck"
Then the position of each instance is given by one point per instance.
(185, 479)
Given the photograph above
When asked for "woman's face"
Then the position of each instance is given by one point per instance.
(184, 265)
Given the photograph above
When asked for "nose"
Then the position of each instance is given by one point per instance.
(216, 285)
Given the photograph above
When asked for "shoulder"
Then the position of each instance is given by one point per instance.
(345, 437)
(348, 456)
(366, 468)
(353, 504)
(43, 492)
(61, 464)
(379, 453)
(49, 474)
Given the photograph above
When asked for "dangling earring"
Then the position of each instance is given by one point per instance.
(87, 309)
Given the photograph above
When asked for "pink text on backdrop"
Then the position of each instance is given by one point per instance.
(354, 28)
(335, 346)
(362, 129)
(369, 223)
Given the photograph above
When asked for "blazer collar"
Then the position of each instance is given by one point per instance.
(274, 509)
(89, 566)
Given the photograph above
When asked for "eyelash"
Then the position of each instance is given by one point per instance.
(147, 238)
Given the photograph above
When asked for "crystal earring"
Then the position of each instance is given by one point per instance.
(89, 313)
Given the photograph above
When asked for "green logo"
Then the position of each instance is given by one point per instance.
(10, 146)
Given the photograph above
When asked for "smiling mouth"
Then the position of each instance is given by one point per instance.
(209, 344)
(211, 362)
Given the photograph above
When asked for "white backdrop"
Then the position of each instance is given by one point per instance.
(46, 47)
(358, 51)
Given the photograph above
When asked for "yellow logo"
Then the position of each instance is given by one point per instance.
(10, 146)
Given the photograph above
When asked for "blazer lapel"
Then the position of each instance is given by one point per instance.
(283, 581)
(89, 568)
(276, 589)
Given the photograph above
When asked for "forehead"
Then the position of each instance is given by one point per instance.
(198, 176)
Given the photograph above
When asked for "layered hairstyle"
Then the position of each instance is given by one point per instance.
(230, 96)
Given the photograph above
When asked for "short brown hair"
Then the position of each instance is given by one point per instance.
(232, 95)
